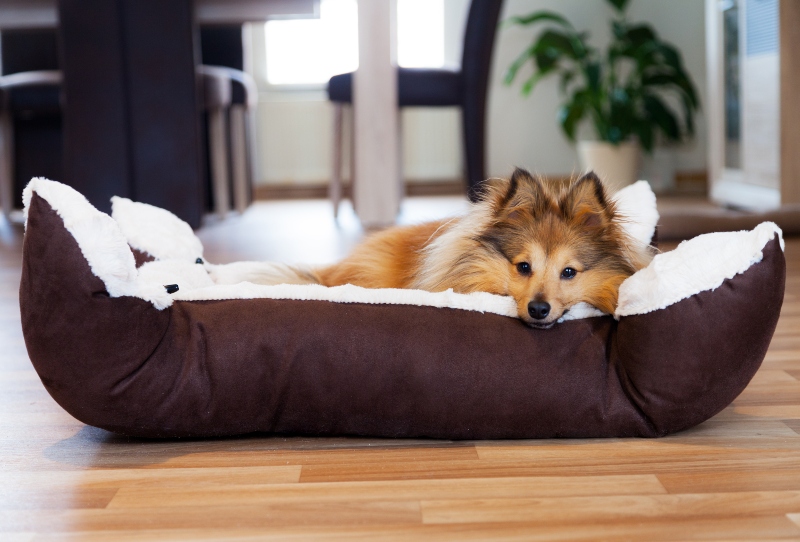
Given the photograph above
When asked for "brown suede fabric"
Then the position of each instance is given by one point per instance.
(140, 257)
(684, 364)
(218, 368)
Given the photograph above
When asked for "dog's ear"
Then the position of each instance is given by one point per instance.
(502, 193)
(586, 202)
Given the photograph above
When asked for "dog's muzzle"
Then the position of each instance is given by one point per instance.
(538, 309)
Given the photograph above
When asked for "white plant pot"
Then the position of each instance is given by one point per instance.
(616, 165)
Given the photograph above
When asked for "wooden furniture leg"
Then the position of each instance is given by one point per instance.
(218, 149)
(335, 186)
(6, 163)
(239, 158)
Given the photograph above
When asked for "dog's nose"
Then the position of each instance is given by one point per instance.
(538, 309)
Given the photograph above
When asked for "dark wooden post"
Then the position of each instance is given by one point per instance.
(96, 161)
(132, 115)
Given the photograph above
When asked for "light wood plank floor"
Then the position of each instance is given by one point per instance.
(734, 477)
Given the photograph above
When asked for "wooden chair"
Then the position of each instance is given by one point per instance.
(465, 88)
(222, 54)
(30, 112)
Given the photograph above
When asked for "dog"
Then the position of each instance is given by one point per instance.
(547, 244)
(550, 245)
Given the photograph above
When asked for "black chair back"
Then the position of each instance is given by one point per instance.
(28, 50)
(35, 106)
(221, 45)
(476, 62)
(479, 39)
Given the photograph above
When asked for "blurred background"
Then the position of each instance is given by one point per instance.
(520, 131)
(205, 106)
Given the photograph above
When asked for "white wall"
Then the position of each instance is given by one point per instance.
(295, 127)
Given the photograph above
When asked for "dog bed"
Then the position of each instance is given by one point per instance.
(131, 330)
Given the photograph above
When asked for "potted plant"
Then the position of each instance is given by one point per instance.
(623, 90)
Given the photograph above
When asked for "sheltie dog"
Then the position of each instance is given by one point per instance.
(548, 244)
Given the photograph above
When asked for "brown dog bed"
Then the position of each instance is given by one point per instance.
(118, 352)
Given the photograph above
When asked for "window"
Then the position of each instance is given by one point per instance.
(420, 33)
(309, 52)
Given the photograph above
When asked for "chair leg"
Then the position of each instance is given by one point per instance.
(239, 166)
(218, 147)
(335, 187)
(401, 173)
(353, 201)
(474, 127)
(6, 164)
(252, 151)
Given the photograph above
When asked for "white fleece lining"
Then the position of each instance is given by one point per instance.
(478, 301)
(695, 266)
(156, 231)
(636, 204)
(107, 251)
(100, 240)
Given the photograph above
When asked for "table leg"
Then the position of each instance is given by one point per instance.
(377, 156)
(131, 118)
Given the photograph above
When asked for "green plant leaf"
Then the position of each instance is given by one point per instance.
(622, 115)
(688, 113)
(525, 56)
(640, 34)
(672, 57)
(663, 117)
(620, 97)
(658, 79)
(646, 55)
(547, 52)
(601, 122)
(570, 114)
(619, 28)
(553, 43)
(538, 16)
(619, 5)
(685, 84)
(566, 79)
(678, 82)
(644, 131)
(593, 73)
(528, 86)
(621, 89)
(547, 58)
(637, 42)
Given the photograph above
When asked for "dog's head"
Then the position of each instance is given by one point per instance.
(562, 242)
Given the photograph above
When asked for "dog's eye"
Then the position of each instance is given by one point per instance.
(524, 268)
(568, 273)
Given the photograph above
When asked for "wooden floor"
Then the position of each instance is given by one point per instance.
(734, 477)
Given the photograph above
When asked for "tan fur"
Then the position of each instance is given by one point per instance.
(548, 225)
(387, 259)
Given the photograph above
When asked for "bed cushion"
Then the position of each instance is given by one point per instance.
(118, 352)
